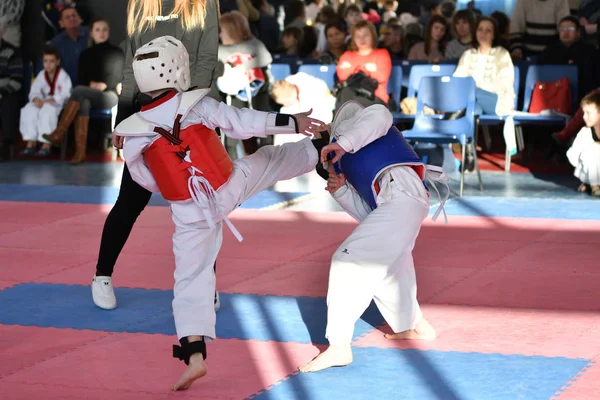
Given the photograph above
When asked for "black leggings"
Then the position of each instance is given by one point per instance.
(131, 202)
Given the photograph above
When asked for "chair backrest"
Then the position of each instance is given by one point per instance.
(417, 72)
(551, 73)
(280, 71)
(446, 94)
(323, 72)
(407, 67)
(394, 85)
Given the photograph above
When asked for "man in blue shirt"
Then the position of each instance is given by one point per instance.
(71, 41)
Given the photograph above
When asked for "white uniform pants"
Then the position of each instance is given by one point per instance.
(375, 261)
(196, 245)
(37, 121)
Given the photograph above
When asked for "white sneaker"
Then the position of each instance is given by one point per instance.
(103, 292)
(217, 301)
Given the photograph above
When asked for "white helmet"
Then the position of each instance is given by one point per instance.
(162, 63)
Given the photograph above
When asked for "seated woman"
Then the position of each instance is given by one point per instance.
(336, 44)
(99, 73)
(433, 47)
(364, 70)
(246, 61)
(491, 67)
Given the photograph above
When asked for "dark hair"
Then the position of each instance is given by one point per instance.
(465, 15)
(64, 9)
(436, 19)
(496, 40)
(51, 51)
(570, 18)
(337, 25)
(502, 20)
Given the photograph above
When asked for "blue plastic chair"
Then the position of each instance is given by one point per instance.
(323, 72)
(446, 94)
(394, 85)
(417, 72)
(280, 71)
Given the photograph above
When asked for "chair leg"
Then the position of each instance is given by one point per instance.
(487, 138)
(462, 169)
(63, 146)
(474, 147)
(507, 160)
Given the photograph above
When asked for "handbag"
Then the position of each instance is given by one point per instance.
(554, 96)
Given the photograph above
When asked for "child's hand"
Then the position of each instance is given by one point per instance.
(308, 126)
(117, 141)
(336, 148)
(335, 181)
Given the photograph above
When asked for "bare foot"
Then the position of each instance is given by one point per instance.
(196, 370)
(334, 356)
(423, 331)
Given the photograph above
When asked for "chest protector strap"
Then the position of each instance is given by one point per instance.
(203, 194)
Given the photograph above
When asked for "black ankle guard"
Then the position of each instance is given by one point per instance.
(186, 349)
(319, 144)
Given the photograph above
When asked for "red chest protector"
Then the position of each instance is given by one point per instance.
(170, 157)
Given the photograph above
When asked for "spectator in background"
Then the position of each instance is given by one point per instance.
(491, 67)
(11, 81)
(266, 28)
(570, 49)
(71, 41)
(364, 70)
(48, 94)
(393, 41)
(534, 26)
(503, 28)
(100, 71)
(302, 92)
(336, 43)
(11, 12)
(436, 37)
(244, 56)
(463, 26)
(352, 15)
(326, 16)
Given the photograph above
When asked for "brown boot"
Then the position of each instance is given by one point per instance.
(81, 133)
(68, 115)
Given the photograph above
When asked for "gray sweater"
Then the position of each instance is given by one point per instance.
(201, 44)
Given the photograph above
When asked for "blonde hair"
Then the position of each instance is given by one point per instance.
(237, 26)
(141, 14)
(281, 89)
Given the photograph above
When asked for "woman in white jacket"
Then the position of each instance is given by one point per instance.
(491, 67)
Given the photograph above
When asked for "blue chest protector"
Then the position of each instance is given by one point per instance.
(363, 167)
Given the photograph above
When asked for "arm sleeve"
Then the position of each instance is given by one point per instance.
(36, 87)
(352, 203)
(239, 123)
(133, 149)
(368, 125)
